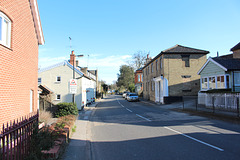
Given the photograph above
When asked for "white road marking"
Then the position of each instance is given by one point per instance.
(217, 148)
(143, 117)
(128, 110)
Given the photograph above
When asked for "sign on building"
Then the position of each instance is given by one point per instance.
(73, 86)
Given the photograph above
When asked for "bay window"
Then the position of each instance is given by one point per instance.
(215, 82)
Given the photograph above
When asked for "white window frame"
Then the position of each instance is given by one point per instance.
(58, 99)
(5, 30)
(208, 80)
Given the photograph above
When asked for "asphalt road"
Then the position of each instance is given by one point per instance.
(122, 130)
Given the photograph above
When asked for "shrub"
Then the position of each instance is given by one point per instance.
(44, 116)
(41, 139)
(64, 109)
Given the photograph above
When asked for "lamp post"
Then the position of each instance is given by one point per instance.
(74, 61)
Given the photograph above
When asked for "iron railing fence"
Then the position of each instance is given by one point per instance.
(15, 137)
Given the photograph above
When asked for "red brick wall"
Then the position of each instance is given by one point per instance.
(19, 63)
(136, 77)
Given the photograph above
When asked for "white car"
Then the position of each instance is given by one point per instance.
(132, 97)
(125, 94)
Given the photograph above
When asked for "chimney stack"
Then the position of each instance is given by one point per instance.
(73, 58)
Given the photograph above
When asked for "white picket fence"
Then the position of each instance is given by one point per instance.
(225, 101)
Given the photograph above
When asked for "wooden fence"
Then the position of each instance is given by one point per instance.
(15, 138)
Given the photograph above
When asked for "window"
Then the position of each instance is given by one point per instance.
(185, 59)
(212, 84)
(139, 78)
(142, 78)
(220, 82)
(236, 78)
(58, 79)
(148, 69)
(152, 67)
(39, 80)
(215, 82)
(5, 30)
(58, 97)
(156, 65)
(160, 62)
(152, 86)
(204, 83)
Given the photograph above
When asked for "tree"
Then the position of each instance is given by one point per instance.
(126, 76)
(138, 59)
(105, 88)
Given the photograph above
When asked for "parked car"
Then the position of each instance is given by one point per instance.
(127, 95)
(124, 94)
(132, 97)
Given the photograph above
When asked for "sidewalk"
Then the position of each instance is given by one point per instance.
(79, 146)
(200, 111)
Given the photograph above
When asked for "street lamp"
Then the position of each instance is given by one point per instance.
(74, 61)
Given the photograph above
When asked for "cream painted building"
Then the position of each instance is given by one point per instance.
(57, 79)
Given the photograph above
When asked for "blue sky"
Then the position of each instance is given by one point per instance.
(111, 31)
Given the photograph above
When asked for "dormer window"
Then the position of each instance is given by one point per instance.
(5, 30)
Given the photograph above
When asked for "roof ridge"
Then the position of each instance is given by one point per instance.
(170, 48)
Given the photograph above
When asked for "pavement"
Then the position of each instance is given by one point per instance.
(79, 146)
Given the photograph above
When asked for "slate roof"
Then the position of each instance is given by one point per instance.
(182, 49)
(235, 47)
(178, 49)
(61, 64)
(228, 62)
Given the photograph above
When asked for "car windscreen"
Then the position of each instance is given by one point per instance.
(133, 94)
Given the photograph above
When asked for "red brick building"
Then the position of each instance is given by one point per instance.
(20, 35)
(138, 81)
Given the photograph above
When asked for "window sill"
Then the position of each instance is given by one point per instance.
(5, 46)
(57, 82)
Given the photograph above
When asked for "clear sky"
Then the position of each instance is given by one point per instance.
(111, 31)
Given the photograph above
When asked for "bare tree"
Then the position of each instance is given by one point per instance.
(138, 59)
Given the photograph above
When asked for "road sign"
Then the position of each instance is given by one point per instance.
(73, 86)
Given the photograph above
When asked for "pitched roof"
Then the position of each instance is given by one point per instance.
(61, 64)
(37, 21)
(228, 63)
(182, 49)
(178, 49)
(236, 47)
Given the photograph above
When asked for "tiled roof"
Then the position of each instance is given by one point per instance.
(178, 49)
(235, 47)
(61, 64)
(182, 49)
(228, 63)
